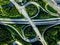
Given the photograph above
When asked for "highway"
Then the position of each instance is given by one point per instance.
(24, 21)
(21, 9)
(51, 20)
(53, 4)
(51, 13)
(47, 29)
(3, 21)
(32, 22)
